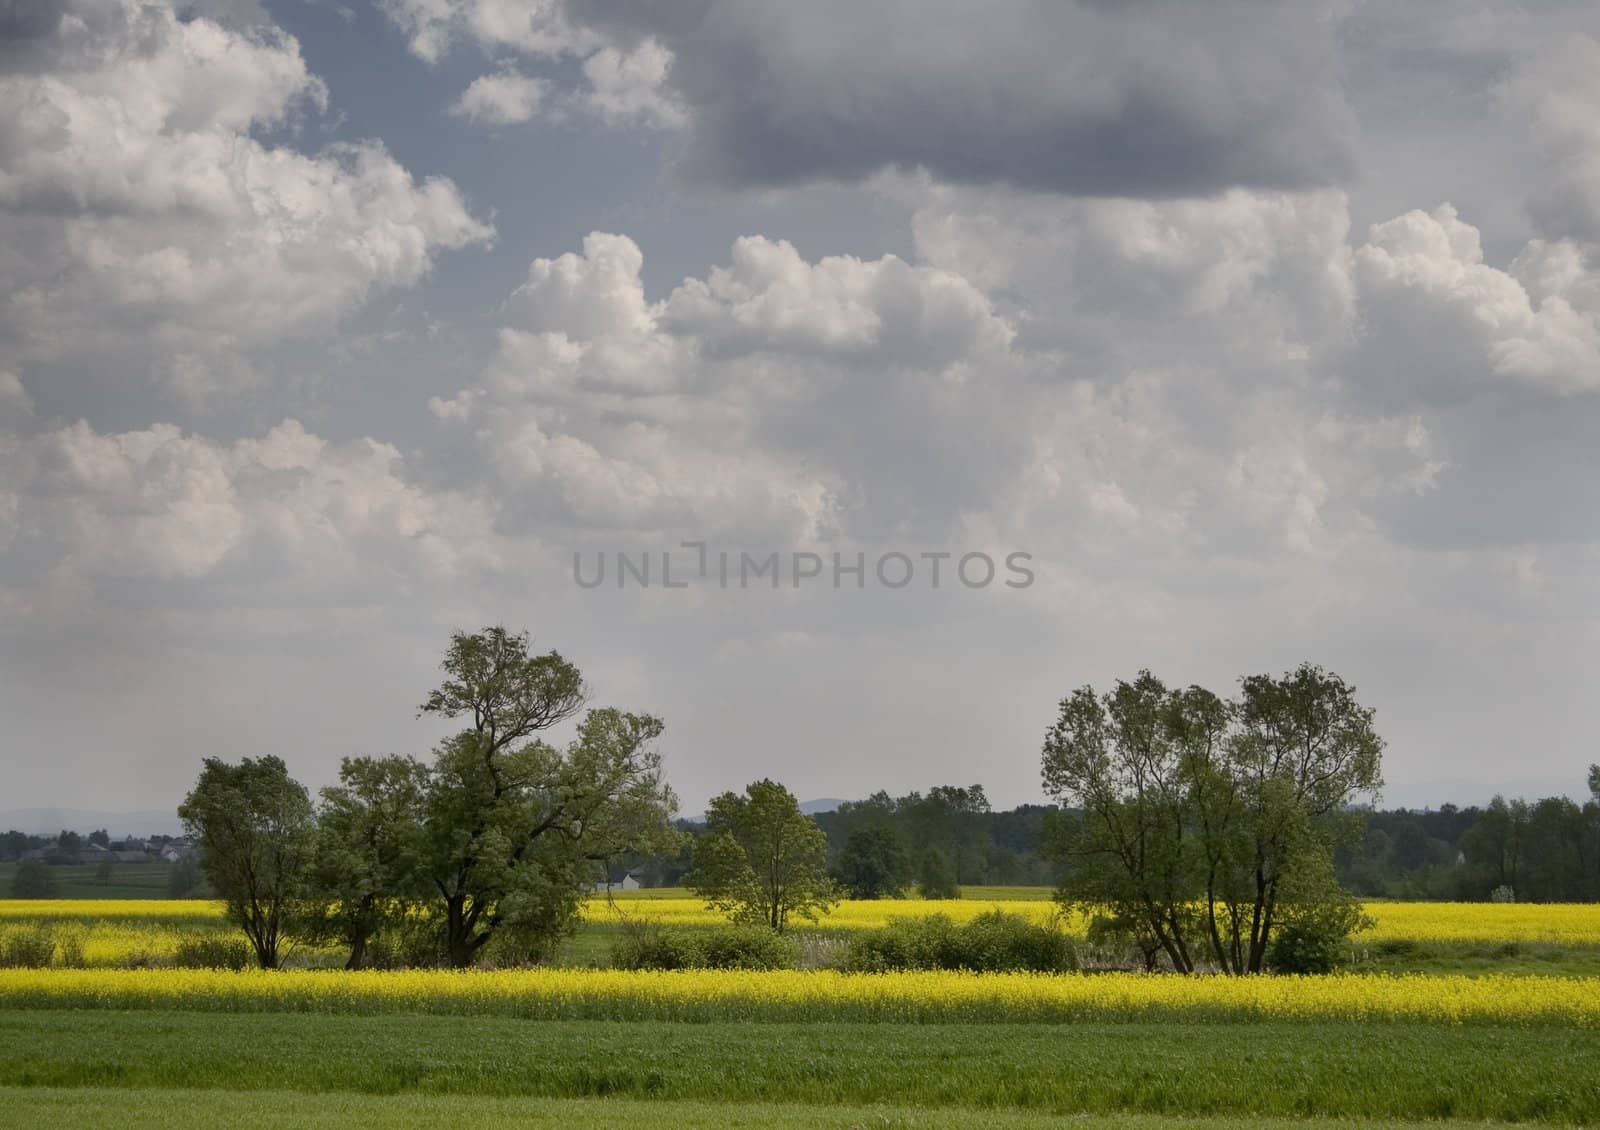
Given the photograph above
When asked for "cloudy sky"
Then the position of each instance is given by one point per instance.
(1271, 332)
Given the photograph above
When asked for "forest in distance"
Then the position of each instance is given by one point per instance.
(1545, 850)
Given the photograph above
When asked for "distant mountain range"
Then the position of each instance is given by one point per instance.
(49, 821)
(821, 804)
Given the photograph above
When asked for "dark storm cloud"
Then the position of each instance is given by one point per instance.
(1152, 99)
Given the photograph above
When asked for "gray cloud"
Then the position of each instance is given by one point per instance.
(1234, 429)
(1151, 99)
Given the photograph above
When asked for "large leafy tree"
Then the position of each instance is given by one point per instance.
(369, 851)
(1203, 825)
(872, 864)
(516, 828)
(762, 859)
(253, 826)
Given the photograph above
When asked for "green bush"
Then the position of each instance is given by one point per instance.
(212, 953)
(747, 947)
(27, 947)
(1315, 938)
(646, 945)
(33, 880)
(993, 942)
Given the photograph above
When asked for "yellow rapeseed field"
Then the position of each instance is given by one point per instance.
(720, 995)
(1561, 924)
(110, 933)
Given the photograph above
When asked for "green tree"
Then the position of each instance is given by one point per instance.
(33, 880)
(184, 879)
(872, 864)
(369, 851)
(515, 829)
(1494, 846)
(936, 879)
(253, 827)
(13, 844)
(762, 860)
(1190, 819)
(101, 837)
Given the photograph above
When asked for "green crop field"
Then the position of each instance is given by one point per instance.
(82, 881)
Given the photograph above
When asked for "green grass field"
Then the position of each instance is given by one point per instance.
(127, 881)
(1278, 1070)
(293, 1110)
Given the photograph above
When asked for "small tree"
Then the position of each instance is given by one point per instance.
(252, 825)
(13, 844)
(762, 859)
(369, 850)
(33, 880)
(936, 879)
(872, 864)
(184, 879)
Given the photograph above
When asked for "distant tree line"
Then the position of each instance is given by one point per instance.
(1545, 850)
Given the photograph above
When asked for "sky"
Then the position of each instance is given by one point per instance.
(1232, 336)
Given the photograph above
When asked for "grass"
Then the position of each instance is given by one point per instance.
(291, 1110)
(78, 881)
(1269, 1070)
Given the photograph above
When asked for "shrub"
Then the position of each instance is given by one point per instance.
(748, 947)
(996, 942)
(993, 942)
(213, 953)
(646, 945)
(905, 943)
(27, 947)
(33, 880)
(1313, 939)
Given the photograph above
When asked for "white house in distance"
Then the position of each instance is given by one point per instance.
(619, 879)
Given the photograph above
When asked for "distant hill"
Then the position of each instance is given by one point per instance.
(821, 804)
(49, 821)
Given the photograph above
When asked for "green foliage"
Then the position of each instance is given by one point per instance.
(872, 865)
(993, 942)
(211, 952)
(1189, 820)
(33, 880)
(747, 947)
(369, 848)
(648, 945)
(936, 879)
(512, 826)
(184, 879)
(253, 827)
(1316, 921)
(762, 860)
